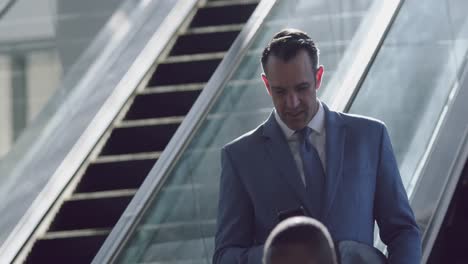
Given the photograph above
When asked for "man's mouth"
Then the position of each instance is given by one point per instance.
(296, 114)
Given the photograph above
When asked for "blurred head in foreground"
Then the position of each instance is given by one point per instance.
(299, 240)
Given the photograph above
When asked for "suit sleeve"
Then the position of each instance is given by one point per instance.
(398, 228)
(235, 222)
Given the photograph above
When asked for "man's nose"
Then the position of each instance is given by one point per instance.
(292, 100)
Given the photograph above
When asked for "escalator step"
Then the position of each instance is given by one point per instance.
(90, 213)
(211, 29)
(195, 57)
(203, 43)
(173, 88)
(184, 72)
(127, 140)
(117, 175)
(66, 250)
(134, 144)
(147, 106)
(222, 15)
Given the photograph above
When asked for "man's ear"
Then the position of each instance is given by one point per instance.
(266, 83)
(318, 76)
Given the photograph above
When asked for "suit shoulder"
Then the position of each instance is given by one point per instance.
(246, 140)
(361, 121)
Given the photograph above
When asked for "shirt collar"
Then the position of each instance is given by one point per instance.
(317, 123)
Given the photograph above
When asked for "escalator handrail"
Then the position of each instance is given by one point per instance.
(26, 227)
(130, 218)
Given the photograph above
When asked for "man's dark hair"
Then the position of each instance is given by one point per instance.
(301, 230)
(287, 43)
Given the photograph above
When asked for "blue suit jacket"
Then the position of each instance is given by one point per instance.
(260, 178)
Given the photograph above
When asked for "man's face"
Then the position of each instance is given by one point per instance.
(293, 87)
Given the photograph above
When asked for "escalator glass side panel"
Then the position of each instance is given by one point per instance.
(412, 77)
(179, 224)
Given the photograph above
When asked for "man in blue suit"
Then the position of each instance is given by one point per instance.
(307, 159)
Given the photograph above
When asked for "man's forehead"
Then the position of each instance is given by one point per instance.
(277, 58)
(291, 74)
(300, 59)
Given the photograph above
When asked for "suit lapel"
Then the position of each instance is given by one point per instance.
(281, 156)
(335, 141)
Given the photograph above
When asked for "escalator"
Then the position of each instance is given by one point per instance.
(175, 223)
(171, 217)
(81, 219)
(174, 212)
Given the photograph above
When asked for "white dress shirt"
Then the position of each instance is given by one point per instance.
(317, 138)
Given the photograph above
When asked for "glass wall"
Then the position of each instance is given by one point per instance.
(180, 222)
(413, 76)
(40, 40)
